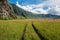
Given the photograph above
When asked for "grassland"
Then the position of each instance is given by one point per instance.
(30, 29)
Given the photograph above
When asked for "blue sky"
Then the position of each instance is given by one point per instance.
(26, 2)
(38, 6)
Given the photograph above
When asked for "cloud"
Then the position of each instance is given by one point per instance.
(27, 7)
(53, 2)
(39, 8)
(54, 11)
(33, 8)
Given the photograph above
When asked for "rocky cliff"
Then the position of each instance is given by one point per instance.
(6, 10)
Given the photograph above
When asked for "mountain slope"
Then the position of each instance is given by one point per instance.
(6, 10)
(25, 14)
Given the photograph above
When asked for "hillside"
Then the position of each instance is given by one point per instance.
(23, 13)
(6, 10)
(26, 14)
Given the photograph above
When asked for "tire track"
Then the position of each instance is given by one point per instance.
(39, 35)
(22, 38)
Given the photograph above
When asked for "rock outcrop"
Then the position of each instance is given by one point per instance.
(6, 10)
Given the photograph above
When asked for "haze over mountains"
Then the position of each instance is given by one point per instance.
(27, 14)
(38, 10)
(39, 6)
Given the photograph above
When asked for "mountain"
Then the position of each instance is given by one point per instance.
(6, 10)
(23, 13)
(26, 14)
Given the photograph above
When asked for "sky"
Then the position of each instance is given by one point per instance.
(39, 6)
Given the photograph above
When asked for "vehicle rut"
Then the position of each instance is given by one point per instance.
(39, 35)
(24, 31)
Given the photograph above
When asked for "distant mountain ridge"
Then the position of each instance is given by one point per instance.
(26, 14)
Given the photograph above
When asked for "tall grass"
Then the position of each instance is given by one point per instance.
(11, 30)
(49, 29)
(30, 33)
(23, 29)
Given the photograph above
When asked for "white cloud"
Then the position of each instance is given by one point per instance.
(54, 11)
(57, 9)
(27, 7)
(52, 4)
(38, 9)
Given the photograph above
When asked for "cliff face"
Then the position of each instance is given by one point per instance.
(3, 1)
(6, 10)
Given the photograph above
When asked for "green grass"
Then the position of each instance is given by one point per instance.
(49, 29)
(14, 29)
(11, 30)
(30, 33)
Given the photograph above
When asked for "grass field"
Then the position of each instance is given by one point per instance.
(30, 29)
